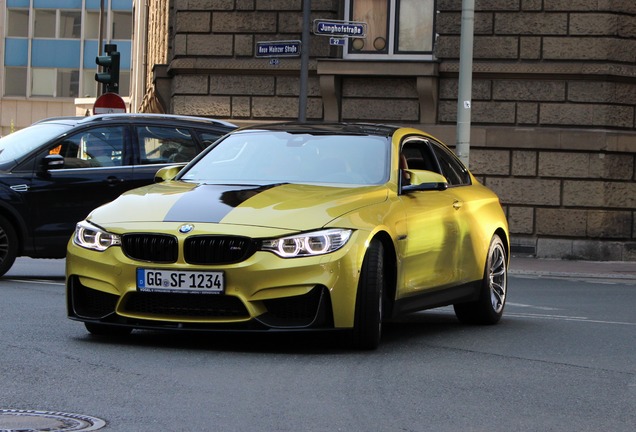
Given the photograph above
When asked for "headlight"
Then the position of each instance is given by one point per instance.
(90, 237)
(308, 244)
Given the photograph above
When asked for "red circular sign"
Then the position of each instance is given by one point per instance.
(109, 103)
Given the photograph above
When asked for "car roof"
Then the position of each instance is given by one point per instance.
(203, 121)
(325, 128)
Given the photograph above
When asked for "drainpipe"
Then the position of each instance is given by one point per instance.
(465, 83)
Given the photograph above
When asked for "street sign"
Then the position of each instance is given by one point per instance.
(109, 103)
(290, 48)
(340, 28)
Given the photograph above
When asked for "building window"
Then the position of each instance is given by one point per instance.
(89, 85)
(121, 25)
(18, 23)
(50, 47)
(48, 25)
(67, 83)
(401, 29)
(15, 81)
(54, 82)
(124, 82)
(70, 24)
(91, 25)
(44, 23)
(43, 82)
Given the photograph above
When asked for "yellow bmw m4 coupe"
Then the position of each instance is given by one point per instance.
(294, 227)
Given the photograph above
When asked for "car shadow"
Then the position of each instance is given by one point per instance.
(399, 332)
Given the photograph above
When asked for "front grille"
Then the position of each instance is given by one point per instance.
(206, 250)
(184, 305)
(217, 249)
(159, 248)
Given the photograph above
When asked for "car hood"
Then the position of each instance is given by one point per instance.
(287, 206)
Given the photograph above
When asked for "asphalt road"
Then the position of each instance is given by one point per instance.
(562, 359)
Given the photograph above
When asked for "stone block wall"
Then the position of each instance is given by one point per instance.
(213, 59)
(553, 100)
(573, 195)
(554, 119)
(551, 63)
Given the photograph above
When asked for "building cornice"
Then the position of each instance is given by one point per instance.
(198, 65)
(549, 70)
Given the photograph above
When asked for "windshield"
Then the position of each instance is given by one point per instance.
(22, 142)
(280, 157)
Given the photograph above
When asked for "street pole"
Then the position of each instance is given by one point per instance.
(304, 62)
(465, 83)
(100, 41)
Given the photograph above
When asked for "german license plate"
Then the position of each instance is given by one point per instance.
(202, 282)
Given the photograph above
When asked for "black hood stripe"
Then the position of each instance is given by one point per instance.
(211, 203)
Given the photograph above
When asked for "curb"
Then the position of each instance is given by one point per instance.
(618, 271)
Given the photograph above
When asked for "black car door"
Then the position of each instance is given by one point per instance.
(97, 169)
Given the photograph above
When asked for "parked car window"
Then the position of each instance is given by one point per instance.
(97, 147)
(18, 144)
(165, 145)
(208, 138)
(452, 168)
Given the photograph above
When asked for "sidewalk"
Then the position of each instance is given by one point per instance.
(620, 271)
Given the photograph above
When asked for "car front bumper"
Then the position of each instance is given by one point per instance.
(264, 292)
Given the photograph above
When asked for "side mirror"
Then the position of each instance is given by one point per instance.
(52, 161)
(167, 173)
(421, 180)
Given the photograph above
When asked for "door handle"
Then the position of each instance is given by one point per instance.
(457, 205)
(114, 180)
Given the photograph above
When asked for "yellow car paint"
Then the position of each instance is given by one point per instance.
(434, 241)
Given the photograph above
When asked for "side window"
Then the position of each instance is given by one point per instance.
(97, 147)
(452, 168)
(417, 154)
(208, 138)
(159, 145)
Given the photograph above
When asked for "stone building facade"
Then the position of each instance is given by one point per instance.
(553, 98)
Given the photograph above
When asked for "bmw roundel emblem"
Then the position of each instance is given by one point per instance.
(184, 229)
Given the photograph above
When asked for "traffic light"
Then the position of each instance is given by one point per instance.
(109, 76)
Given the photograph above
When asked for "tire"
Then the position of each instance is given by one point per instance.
(8, 245)
(488, 308)
(107, 330)
(367, 329)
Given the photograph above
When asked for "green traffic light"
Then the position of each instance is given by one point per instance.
(110, 69)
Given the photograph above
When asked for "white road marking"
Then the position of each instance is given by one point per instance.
(568, 318)
(531, 306)
(37, 281)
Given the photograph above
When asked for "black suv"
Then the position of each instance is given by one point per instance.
(53, 173)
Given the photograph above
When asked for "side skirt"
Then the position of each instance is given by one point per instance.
(438, 298)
